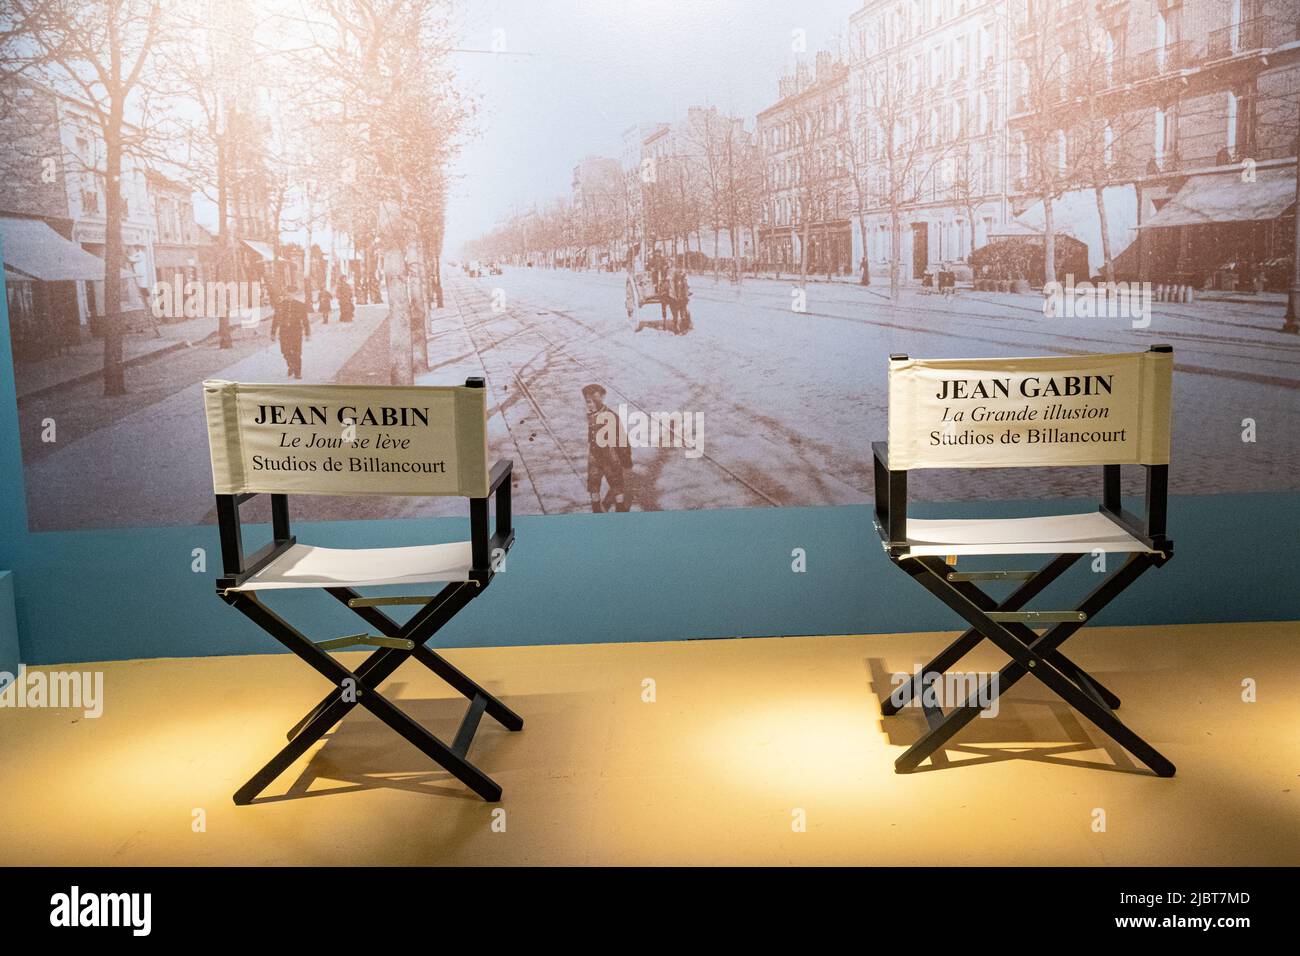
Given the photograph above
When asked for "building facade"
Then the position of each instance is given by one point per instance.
(691, 180)
(44, 314)
(808, 197)
(661, 198)
(182, 251)
(84, 159)
(52, 214)
(634, 174)
(718, 152)
(929, 84)
(1194, 143)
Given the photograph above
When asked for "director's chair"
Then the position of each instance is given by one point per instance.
(928, 549)
(464, 568)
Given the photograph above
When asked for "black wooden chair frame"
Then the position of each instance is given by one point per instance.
(1006, 624)
(396, 642)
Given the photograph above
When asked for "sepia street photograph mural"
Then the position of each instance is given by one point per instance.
(708, 223)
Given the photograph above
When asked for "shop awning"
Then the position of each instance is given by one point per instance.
(34, 249)
(1224, 197)
(261, 248)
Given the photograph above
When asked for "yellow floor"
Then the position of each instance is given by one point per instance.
(741, 737)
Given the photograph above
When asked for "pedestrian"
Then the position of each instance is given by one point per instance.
(679, 298)
(292, 323)
(326, 305)
(659, 276)
(609, 457)
(347, 305)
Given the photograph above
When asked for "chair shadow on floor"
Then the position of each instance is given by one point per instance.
(1023, 716)
(362, 753)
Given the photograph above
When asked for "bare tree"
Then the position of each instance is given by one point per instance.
(706, 136)
(966, 186)
(674, 201)
(599, 219)
(814, 138)
(852, 142)
(658, 202)
(100, 49)
(1291, 321)
(901, 141)
(208, 83)
(819, 176)
(1054, 75)
(741, 201)
(749, 192)
(381, 90)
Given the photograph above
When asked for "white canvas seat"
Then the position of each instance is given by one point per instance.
(1051, 534)
(305, 566)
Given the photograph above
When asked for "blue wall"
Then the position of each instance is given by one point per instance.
(102, 595)
(10, 654)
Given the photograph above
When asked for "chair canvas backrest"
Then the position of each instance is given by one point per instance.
(347, 439)
(1030, 412)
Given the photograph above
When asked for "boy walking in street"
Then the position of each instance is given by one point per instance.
(608, 455)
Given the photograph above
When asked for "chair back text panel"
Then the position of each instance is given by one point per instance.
(347, 439)
(1021, 412)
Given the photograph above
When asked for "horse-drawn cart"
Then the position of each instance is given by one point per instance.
(656, 287)
(641, 291)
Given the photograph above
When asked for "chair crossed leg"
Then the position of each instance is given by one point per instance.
(359, 686)
(1030, 653)
(1034, 584)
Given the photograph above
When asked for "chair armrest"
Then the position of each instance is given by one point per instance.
(499, 483)
(237, 566)
(1151, 526)
(501, 471)
(891, 497)
(483, 544)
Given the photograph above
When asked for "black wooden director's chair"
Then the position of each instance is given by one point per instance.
(465, 569)
(927, 549)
